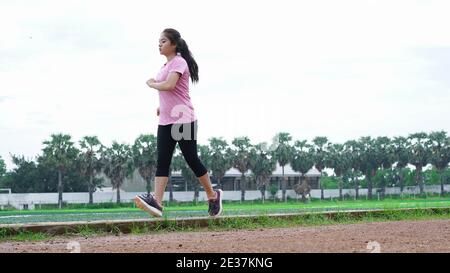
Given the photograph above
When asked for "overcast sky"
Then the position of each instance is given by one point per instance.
(341, 69)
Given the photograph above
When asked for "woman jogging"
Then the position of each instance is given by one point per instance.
(177, 123)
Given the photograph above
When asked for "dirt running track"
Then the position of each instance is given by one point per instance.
(400, 236)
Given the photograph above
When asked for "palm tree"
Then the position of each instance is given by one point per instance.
(145, 157)
(2, 167)
(354, 156)
(176, 164)
(283, 154)
(117, 164)
(205, 156)
(385, 157)
(241, 160)
(419, 155)
(400, 150)
(190, 178)
(440, 153)
(368, 161)
(59, 153)
(2, 171)
(302, 161)
(262, 165)
(89, 163)
(320, 153)
(221, 159)
(338, 159)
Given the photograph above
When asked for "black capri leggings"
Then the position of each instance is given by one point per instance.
(186, 136)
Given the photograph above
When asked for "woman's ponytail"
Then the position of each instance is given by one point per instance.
(182, 48)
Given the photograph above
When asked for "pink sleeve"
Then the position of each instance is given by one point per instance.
(179, 65)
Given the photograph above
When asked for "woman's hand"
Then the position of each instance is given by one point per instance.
(157, 111)
(150, 82)
(167, 85)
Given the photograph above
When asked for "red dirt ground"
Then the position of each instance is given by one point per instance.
(398, 236)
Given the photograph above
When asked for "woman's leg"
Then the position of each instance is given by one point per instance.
(189, 149)
(206, 183)
(165, 147)
(160, 187)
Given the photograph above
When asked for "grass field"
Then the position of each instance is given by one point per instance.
(239, 223)
(189, 210)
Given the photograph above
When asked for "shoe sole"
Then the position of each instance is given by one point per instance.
(220, 211)
(146, 207)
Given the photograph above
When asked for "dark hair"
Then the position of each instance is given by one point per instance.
(175, 38)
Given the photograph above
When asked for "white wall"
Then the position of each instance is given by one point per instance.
(32, 199)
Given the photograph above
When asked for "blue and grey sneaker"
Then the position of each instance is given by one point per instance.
(148, 203)
(215, 205)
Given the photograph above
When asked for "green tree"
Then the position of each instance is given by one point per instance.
(262, 165)
(302, 161)
(368, 161)
(117, 165)
(431, 177)
(205, 156)
(354, 156)
(221, 159)
(320, 145)
(89, 163)
(352, 178)
(241, 160)
(145, 157)
(339, 160)
(59, 154)
(176, 164)
(419, 155)
(400, 149)
(283, 153)
(328, 182)
(2, 173)
(439, 144)
(189, 177)
(382, 178)
(385, 156)
(23, 178)
(409, 176)
(273, 190)
(2, 168)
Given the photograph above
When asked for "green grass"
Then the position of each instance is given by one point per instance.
(322, 220)
(24, 236)
(236, 223)
(84, 231)
(231, 208)
(257, 205)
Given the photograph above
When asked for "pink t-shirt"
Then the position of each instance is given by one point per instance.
(175, 105)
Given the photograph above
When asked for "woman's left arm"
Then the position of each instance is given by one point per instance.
(166, 85)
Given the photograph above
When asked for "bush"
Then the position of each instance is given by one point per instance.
(329, 183)
(348, 196)
(273, 190)
(7, 208)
